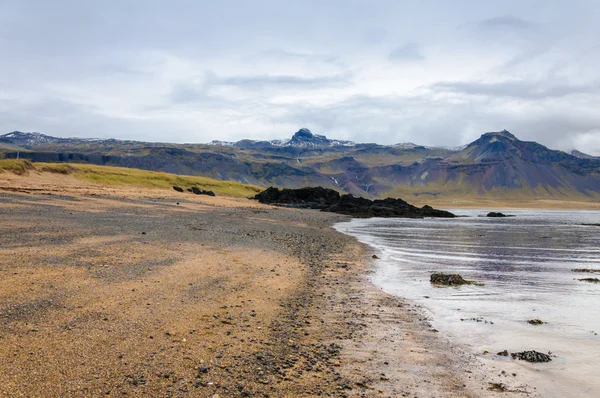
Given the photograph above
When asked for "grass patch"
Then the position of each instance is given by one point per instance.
(56, 168)
(107, 175)
(17, 166)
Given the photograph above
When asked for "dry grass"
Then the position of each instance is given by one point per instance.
(111, 176)
(19, 167)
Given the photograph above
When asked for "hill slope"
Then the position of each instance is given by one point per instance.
(105, 175)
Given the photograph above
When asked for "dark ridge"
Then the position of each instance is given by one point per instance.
(329, 200)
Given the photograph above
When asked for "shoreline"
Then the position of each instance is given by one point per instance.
(408, 357)
(281, 304)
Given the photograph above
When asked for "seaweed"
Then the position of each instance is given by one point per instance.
(591, 280)
(535, 322)
(450, 280)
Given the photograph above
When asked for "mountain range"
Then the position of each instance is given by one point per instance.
(497, 164)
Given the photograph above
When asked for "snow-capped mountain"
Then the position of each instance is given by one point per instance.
(303, 138)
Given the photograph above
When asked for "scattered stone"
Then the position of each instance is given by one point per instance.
(374, 257)
(449, 279)
(531, 356)
(503, 353)
(136, 380)
(178, 189)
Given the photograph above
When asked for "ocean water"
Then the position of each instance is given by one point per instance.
(525, 263)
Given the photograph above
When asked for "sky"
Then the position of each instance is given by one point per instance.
(428, 72)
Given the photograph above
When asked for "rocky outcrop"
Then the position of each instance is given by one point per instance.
(329, 200)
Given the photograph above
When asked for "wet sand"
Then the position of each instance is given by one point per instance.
(119, 291)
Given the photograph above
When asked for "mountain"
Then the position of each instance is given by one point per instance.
(498, 161)
(32, 140)
(303, 138)
(497, 164)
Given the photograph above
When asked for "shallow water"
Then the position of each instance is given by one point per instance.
(525, 263)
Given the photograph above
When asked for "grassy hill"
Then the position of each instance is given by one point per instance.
(107, 175)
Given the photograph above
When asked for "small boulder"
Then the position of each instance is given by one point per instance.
(495, 214)
(178, 189)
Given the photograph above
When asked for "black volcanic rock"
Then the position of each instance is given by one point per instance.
(199, 191)
(495, 214)
(329, 200)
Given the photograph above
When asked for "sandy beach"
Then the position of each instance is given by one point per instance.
(114, 291)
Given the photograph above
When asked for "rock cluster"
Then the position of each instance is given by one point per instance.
(329, 200)
(194, 190)
(198, 191)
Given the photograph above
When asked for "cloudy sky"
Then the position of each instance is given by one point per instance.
(430, 72)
